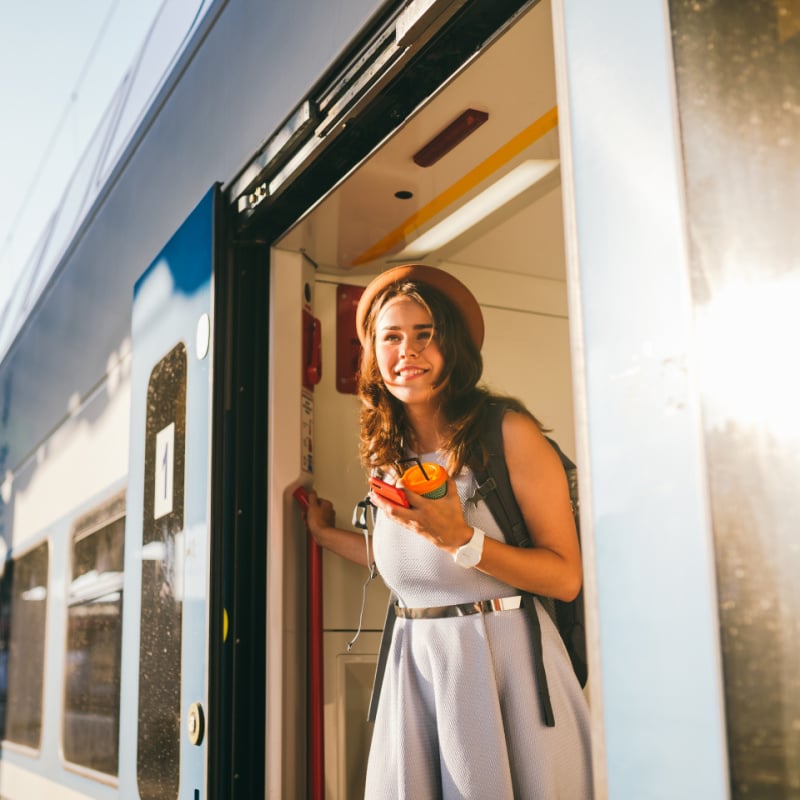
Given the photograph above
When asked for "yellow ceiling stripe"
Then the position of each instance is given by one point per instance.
(485, 169)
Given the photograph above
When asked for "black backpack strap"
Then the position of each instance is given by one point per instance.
(364, 517)
(383, 656)
(572, 476)
(494, 483)
(494, 487)
(570, 617)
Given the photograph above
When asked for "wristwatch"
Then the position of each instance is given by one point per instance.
(469, 554)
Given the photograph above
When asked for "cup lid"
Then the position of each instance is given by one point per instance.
(415, 480)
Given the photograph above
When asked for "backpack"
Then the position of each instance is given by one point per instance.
(494, 487)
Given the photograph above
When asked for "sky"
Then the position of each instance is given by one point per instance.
(60, 64)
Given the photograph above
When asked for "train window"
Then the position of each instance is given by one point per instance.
(24, 613)
(94, 644)
(158, 753)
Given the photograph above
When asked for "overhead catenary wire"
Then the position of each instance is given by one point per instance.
(54, 137)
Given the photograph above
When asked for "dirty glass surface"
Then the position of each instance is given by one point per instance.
(158, 754)
(94, 645)
(738, 89)
(24, 616)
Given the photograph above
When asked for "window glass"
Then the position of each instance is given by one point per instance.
(24, 613)
(159, 734)
(94, 643)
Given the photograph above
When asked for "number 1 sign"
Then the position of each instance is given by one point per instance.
(164, 472)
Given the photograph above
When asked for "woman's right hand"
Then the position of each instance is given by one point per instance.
(320, 515)
(321, 524)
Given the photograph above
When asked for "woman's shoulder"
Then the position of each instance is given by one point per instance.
(522, 434)
(525, 445)
(521, 425)
(515, 416)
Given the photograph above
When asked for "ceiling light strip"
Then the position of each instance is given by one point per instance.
(494, 196)
(547, 122)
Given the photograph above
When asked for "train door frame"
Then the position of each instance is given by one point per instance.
(638, 435)
(238, 557)
(627, 393)
(295, 170)
(274, 191)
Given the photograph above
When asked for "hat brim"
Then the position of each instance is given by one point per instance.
(461, 297)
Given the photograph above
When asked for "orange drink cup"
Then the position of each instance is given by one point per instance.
(429, 480)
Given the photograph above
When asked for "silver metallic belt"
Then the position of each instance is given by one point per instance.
(460, 609)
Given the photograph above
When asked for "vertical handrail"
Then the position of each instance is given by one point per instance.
(316, 670)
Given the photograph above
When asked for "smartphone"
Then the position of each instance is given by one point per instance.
(389, 492)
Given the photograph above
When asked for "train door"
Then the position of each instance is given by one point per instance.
(165, 663)
(471, 184)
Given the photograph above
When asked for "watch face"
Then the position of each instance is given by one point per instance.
(469, 554)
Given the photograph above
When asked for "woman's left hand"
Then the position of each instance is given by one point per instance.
(439, 521)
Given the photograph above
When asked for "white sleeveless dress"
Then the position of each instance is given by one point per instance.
(459, 713)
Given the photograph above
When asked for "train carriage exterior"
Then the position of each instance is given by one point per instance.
(616, 183)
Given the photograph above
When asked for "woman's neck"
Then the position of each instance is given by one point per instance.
(427, 429)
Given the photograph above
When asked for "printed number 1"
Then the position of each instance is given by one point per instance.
(165, 470)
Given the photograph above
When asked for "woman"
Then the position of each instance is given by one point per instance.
(458, 714)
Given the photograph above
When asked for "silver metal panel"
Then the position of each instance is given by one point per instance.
(655, 660)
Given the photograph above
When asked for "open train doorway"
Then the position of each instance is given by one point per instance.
(470, 183)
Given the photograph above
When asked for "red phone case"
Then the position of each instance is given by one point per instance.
(391, 493)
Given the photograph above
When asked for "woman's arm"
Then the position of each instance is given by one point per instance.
(321, 523)
(552, 567)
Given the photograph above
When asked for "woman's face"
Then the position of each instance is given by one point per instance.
(408, 357)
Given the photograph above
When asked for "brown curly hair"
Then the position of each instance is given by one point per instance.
(386, 437)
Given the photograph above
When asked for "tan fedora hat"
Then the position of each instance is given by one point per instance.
(461, 297)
